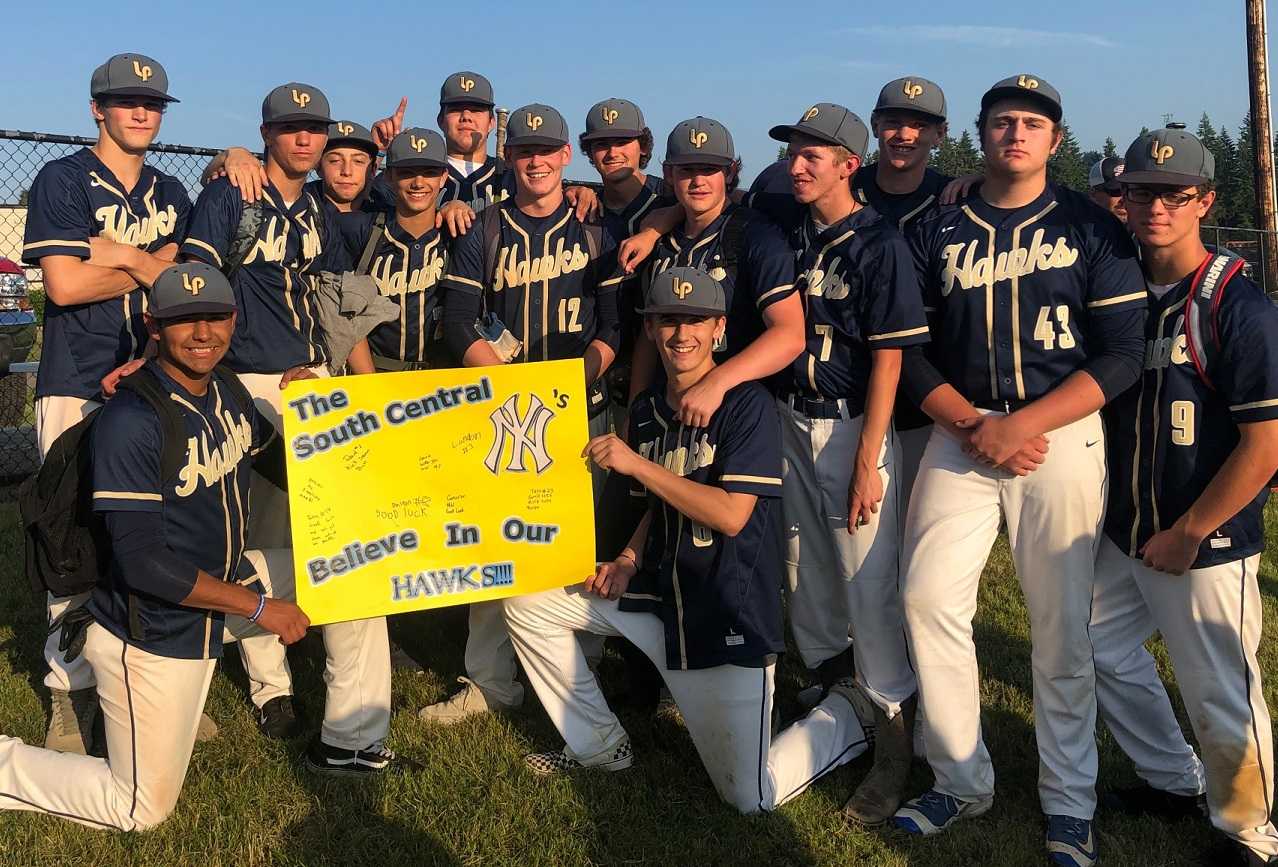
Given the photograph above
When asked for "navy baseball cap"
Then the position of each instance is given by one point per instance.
(687, 291)
(700, 141)
(130, 75)
(188, 289)
(536, 124)
(466, 87)
(349, 134)
(1104, 172)
(829, 123)
(295, 101)
(417, 147)
(913, 94)
(613, 118)
(1168, 156)
(1026, 86)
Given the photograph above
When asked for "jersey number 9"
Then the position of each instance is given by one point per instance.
(1182, 422)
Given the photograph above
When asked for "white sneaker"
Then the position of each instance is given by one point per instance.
(559, 762)
(466, 702)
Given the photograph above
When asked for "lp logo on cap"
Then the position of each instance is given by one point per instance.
(1027, 82)
(609, 115)
(912, 90)
(301, 98)
(535, 121)
(416, 143)
(192, 284)
(345, 128)
(697, 137)
(467, 84)
(811, 113)
(1161, 154)
(142, 72)
(682, 288)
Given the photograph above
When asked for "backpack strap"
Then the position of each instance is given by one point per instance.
(144, 383)
(490, 224)
(231, 381)
(1206, 289)
(732, 239)
(594, 239)
(370, 246)
(251, 216)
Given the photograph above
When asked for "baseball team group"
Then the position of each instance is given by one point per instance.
(813, 404)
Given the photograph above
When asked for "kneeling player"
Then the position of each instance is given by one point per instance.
(1191, 449)
(697, 589)
(157, 615)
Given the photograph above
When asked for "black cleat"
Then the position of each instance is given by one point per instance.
(1145, 800)
(371, 761)
(278, 720)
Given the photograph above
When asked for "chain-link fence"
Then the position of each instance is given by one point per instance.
(22, 154)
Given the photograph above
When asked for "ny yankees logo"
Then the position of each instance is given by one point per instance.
(142, 72)
(609, 115)
(697, 138)
(912, 90)
(1161, 154)
(527, 436)
(416, 143)
(811, 113)
(192, 284)
(345, 128)
(535, 121)
(467, 84)
(682, 288)
(301, 98)
(1027, 82)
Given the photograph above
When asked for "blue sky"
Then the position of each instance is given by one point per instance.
(750, 65)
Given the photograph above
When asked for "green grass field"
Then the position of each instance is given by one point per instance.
(250, 801)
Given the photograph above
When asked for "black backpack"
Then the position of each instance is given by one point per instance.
(67, 546)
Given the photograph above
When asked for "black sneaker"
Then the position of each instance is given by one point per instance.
(278, 720)
(371, 761)
(1145, 800)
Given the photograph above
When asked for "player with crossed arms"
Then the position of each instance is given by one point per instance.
(1040, 305)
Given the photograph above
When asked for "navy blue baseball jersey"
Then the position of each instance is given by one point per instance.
(1016, 292)
(625, 222)
(203, 510)
(1169, 435)
(860, 293)
(277, 326)
(543, 284)
(901, 209)
(408, 271)
(719, 597)
(72, 200)
(490, 183)
(765, 271)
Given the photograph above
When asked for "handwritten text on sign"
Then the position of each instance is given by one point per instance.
(432, 488)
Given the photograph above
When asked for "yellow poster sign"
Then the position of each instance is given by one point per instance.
(432, 488)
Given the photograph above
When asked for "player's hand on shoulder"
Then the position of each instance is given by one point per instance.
(112, 380)
(584, 201)
(635, 249)
(295, 373)
(388, 127)
(1173, 550)
(864, 495)
(700, 402)
(457, 217)
(958, 189)
(283, 618)
(610, 452)
(245, 172)
(611, 579)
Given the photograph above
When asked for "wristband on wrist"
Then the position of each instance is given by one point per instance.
(261, 603)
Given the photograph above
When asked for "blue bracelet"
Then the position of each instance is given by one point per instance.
(261, 603)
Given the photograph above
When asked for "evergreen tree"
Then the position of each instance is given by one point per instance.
(1207, 133)
(1111, 149)
(1243, 206)
(1066, 167)
(1231, 184)
(957, 157)
(781, 152)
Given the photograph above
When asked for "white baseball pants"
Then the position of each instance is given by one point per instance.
(53, 415)
(490, 658)
(843, 582)
(1210, 620)
(1053, 521)
(727, 709)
